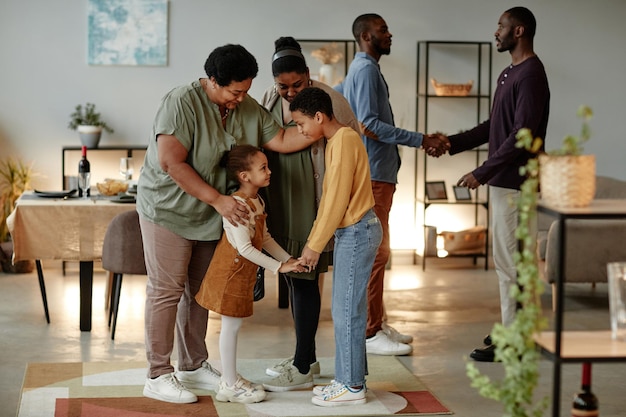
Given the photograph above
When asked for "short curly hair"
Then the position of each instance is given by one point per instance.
(230, 63)
(312, 100)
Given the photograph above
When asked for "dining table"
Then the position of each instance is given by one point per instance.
(62, 226)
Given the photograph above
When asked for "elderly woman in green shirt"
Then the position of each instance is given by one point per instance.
(181, 198)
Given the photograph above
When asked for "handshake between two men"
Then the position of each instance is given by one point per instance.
(437, 144)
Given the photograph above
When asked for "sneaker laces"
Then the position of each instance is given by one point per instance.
(175, 383)
(336, 388)
(284, 363)
(287, 374)
(208, 368)
(244, 384)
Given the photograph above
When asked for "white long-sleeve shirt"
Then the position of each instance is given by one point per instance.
(240, 238)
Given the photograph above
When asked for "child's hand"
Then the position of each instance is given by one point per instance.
(292, 265)
(309, 258)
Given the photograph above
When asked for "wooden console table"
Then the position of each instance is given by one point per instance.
(576, 346)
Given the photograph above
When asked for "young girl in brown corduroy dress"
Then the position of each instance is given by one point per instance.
(228, 285)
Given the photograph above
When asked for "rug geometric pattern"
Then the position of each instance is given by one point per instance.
(98, 389)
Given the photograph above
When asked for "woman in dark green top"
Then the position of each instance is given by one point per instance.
(292, 200)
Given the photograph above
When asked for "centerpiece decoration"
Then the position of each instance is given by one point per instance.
(328, 55)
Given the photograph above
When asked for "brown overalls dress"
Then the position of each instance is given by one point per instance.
(227, 287)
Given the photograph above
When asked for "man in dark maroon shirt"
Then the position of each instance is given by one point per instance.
(521, 99)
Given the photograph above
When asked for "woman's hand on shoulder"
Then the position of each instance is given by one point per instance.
(231, 209)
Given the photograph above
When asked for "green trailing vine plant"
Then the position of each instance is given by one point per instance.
(572, 145)
(515, 346)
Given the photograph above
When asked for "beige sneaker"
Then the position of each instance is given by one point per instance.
(278, 368)
(290, 379)
(167, 388)
(205, 377)
(242, 391)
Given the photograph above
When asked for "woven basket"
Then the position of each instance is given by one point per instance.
(567, 181)
(452, 89)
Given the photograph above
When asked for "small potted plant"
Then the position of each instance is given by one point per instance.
(89, 124)
(567, 177)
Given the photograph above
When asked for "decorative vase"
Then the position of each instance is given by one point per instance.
(567, 180)
(327, 74)
(89, 135)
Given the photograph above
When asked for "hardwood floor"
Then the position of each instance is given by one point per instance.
(448, 309)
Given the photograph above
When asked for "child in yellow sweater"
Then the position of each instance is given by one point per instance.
(345, 210)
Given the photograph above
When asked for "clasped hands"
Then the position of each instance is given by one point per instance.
(307, 262)
(435, 144)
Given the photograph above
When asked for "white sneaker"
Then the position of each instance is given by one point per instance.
(381, 344)
(290, 379)
(242, 391)
(277, 369)
(167, 388)
(338, 394)
(396, 335)
(321, 389)
(205, 377)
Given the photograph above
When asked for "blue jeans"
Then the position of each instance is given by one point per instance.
(355, 250)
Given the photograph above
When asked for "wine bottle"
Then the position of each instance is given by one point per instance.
(585, 402)
(84, 174)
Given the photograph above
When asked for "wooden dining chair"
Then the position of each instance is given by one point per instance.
(122, 253)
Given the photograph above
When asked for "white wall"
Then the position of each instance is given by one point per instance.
(44, 73)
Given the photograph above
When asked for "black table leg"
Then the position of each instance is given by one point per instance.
(42, 287)
(86, 291)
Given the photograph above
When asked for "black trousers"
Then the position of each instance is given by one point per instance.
(305, 301)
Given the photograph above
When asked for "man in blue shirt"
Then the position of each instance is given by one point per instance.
(368, 95)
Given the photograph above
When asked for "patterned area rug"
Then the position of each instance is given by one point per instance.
(115, 390)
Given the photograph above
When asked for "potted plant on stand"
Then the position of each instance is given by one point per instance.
(15, 178)
(89, 124)
(568, 178)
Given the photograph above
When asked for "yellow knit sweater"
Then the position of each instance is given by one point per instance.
(347, 189)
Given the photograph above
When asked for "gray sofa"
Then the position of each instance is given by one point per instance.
(590, 244)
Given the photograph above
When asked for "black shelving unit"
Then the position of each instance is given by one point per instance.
(446, 56)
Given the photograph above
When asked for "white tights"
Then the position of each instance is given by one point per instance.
(228, 348)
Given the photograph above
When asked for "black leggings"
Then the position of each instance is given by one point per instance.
(305, 300)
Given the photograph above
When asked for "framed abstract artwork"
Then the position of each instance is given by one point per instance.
(127, 32)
